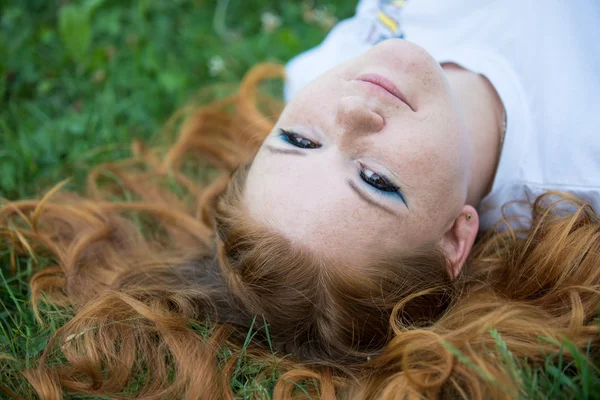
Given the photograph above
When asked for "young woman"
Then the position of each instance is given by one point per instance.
(344, 233)
(486, 103)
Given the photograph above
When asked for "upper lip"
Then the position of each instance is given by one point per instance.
(386, 84)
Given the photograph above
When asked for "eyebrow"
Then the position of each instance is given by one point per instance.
(369, 200)
(277, 150)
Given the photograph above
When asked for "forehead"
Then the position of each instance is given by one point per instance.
(319, 211)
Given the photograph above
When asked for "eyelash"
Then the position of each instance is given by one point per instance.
(385, 188)
(293, 139)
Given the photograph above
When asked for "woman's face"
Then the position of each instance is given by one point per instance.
(369, 158)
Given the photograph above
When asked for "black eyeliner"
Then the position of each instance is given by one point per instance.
(295, 139)
(395, 189)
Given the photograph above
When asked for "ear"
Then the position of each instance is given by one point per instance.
(459, 239)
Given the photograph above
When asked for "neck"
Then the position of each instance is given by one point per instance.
(483, 113)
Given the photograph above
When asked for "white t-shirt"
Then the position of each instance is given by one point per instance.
(543, 58)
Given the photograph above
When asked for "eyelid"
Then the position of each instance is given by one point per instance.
(399, 192)
(312, 132)
(286, 134)
(362, 167)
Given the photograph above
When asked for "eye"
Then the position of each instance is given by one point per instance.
(379, 182)
(296, 140)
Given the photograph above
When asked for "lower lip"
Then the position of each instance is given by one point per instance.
(385, 84)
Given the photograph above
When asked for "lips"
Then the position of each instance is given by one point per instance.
(385, 84)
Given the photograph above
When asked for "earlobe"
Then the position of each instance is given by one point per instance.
(458, 240)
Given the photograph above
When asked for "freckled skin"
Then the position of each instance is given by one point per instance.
(307, 198)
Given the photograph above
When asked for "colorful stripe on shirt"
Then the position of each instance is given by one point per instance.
(387, 23)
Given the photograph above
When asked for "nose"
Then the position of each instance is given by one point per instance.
(355, 117)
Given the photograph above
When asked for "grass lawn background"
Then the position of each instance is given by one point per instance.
(80, 79)
(76, 90)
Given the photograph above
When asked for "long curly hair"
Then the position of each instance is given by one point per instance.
(164, 268)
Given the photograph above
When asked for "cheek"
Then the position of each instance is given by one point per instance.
(435, 191)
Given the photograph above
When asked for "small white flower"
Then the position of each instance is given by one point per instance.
(324, 18)
(216, 65)
(270, 21)
(308, 12)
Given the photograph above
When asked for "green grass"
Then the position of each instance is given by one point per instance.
(557, 379)
(80, 79)
(67, 102)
